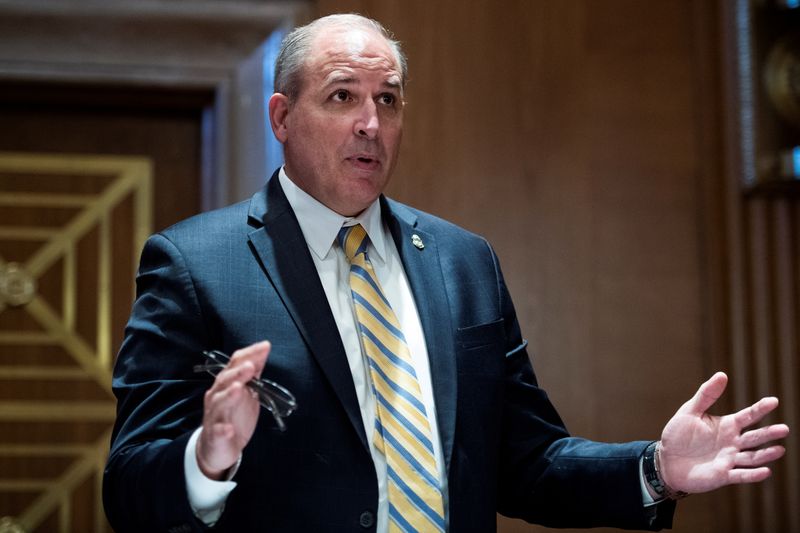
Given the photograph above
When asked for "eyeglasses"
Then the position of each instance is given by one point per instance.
(272, 397)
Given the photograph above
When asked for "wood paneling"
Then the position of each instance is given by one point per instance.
(93, 214)
(168, 82)
(119, 120)
(766, 279)
(762, 231)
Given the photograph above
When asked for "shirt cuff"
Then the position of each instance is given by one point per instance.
(647, 499)
(206, 496)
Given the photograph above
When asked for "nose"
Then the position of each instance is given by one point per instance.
(367, 123)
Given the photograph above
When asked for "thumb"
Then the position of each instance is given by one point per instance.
(253, 356)
(706, 396)
(260, 352)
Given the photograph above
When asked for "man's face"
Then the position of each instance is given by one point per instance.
(341, 135)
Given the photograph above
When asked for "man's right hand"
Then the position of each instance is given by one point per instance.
(230, 412)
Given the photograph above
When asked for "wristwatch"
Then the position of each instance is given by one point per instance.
(652, 474)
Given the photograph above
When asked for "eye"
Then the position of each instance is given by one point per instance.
(340, 96)
(387, 99)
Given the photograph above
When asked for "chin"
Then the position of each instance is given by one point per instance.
(355, 204)
(363, 187)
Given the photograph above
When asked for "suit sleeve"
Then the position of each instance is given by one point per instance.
(159, 398)
(550, 478)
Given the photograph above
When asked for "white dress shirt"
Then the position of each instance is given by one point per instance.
(320, 226)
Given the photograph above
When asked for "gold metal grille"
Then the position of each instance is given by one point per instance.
(66, 223)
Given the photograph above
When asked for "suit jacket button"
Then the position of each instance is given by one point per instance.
(367, 519)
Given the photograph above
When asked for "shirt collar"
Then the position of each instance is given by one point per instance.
(320, 224)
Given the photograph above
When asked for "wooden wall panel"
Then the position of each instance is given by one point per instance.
(769, 346)
(59, 216)
(78, 78)
(86, 173)
(762, 231)
(580, 138)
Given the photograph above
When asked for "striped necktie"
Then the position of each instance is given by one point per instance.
(402, 430)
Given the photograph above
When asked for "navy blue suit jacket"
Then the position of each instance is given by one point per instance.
(228, 278)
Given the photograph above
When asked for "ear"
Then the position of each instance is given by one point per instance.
(278, 113)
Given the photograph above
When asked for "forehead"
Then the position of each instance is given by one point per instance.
(345, 50)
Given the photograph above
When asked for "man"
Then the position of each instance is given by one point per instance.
(418, 406)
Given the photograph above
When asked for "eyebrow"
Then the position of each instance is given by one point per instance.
(352, 80)
(393, 85)
(347, 80)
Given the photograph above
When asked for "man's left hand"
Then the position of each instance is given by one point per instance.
(700, 452)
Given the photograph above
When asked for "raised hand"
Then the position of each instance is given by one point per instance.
(700, 452)
(230, 411)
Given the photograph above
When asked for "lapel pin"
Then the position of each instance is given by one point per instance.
(417, 241)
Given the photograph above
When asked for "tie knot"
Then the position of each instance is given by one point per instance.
(353, 240)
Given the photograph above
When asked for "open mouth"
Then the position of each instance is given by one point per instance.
(365, 162)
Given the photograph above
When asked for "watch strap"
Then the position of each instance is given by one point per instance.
(651, 467)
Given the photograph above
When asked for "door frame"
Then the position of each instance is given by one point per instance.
(192, 44)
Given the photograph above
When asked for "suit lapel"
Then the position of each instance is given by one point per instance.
(279, 244)
(424, 272)
(283, 253)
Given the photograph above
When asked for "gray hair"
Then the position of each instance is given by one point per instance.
(296, 46)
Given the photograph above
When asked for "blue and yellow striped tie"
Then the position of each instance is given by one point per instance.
(402, 430)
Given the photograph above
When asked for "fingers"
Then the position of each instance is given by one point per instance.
(240, 373)
(749, 475)
(708, 393)
(757, 437)
(255, 353)
(753, 414)
(230, 411)
(757, 458)
(245, 364)
(220, 402)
